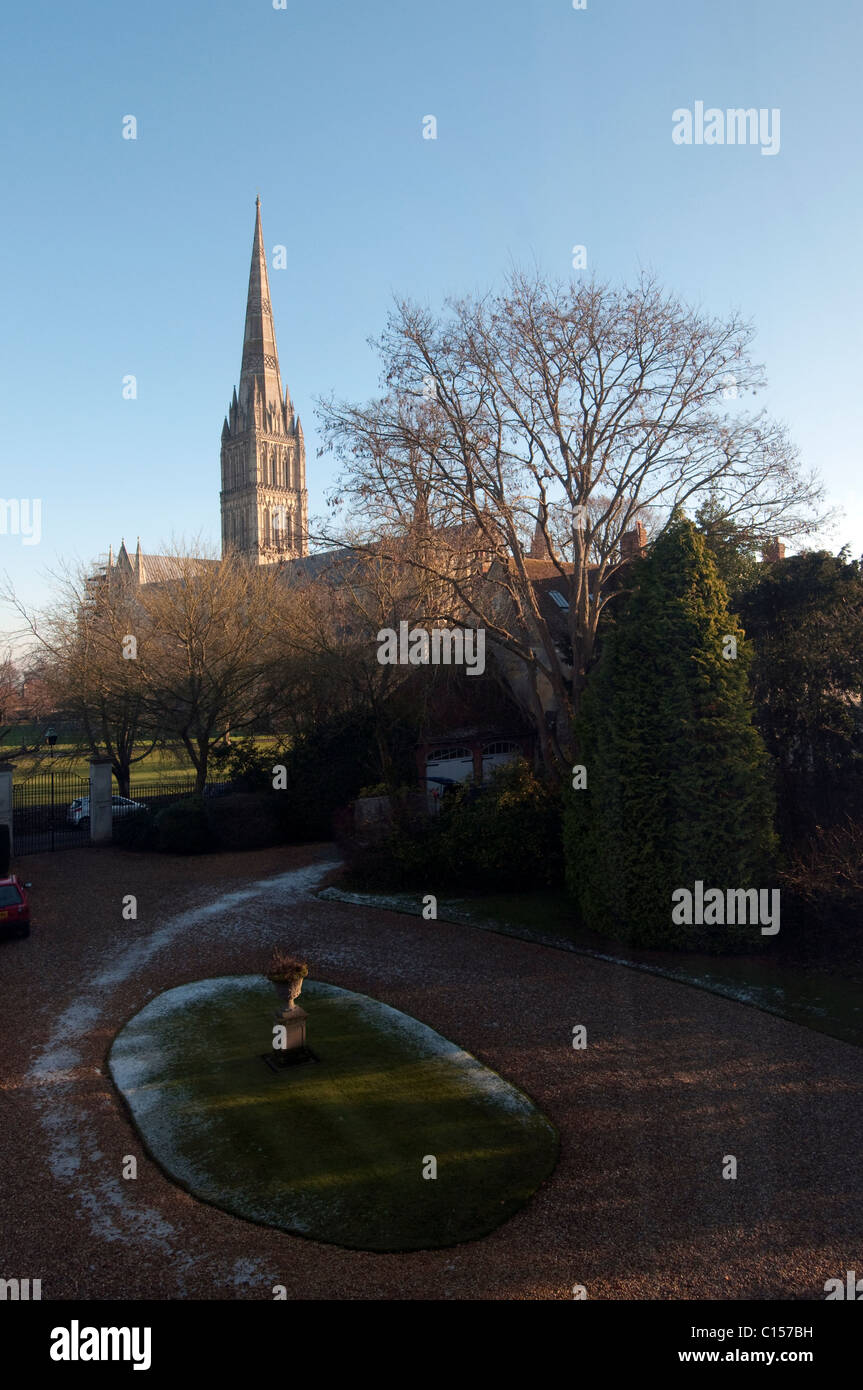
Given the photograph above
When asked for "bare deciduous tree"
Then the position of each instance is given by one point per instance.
(9, 685)
(568, 412)
(78, 643)
(328, 644)
(209, 633)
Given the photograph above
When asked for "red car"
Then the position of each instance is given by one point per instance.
(14, 907)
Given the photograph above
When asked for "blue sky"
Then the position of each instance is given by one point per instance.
(554, 128)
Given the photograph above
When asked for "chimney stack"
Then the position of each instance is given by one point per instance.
(773, 551)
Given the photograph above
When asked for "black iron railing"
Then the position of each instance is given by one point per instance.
(50, 809)
(43, 811)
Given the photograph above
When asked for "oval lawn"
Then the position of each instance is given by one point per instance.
(336, 1149)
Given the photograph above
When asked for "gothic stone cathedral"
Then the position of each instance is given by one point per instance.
(263, 499)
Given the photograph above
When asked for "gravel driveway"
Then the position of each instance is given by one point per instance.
(673, 1079)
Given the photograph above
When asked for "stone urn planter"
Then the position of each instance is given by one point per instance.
(287, 974)
(289, 990)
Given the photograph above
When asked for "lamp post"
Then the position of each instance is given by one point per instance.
(51, 739)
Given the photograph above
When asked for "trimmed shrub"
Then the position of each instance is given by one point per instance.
(325, 770)
(245, 820)
(182, 828)
(247, 767)
(135, 831)
(505, 835)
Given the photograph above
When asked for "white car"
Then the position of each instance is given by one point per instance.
(79, 811)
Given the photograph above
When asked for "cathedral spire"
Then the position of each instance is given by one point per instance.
(264, 499)
(260, 354)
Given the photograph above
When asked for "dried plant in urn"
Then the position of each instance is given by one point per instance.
(287, 973)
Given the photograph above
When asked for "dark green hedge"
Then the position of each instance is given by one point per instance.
(504, 836)
(183, 828)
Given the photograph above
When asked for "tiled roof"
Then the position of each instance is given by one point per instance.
(158, 569)
(332, 563)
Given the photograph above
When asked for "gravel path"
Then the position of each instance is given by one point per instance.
(673, 1079)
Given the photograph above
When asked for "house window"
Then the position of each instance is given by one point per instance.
(449, 755)
(560, 599)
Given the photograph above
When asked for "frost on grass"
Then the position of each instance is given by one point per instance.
(137, 1055)
(477, 1076)
(329, 1151)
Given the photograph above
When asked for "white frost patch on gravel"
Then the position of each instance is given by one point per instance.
(249, 1274)
(287, 887)
(392, 902)
(56, 1064)
(65, 1153)
(72, 1150)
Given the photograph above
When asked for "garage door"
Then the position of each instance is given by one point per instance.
(496, 754)
(456, 763)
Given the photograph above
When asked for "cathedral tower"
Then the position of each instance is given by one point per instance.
(264, 499)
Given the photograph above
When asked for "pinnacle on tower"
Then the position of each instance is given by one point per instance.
(539, 546)
(633, 544)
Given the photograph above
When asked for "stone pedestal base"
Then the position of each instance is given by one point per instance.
(281, 1062)
(294, 1051)
(294, 1023)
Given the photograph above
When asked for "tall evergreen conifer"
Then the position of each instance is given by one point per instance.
(677, 776)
